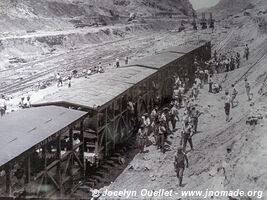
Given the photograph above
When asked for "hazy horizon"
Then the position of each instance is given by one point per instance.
(198, 4)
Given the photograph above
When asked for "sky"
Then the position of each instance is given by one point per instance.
(197, 4)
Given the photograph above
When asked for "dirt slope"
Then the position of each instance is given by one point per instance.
(226, 8)
(31, 15)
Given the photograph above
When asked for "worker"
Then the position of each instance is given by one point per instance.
(69, 81)
(21, 103)
(89, 72)
(179, 164)
(59, 80)
(3, 106)
(210, 81)
(146, 122)
(247, 86)
(28, 103)
(141, 139)
(174, 116)
(164, 118)
(237, 60)
(215, 55)
(161, 136)
(187, 134)
(154, 114)
(156, 125)
(216, 88)
(126, 60)
(233, 95)
(246, 52)
(195, 90)
(117, 62)
(195, 114)
(227, 106)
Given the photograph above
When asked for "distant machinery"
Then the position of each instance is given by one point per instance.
(203, 21)
(211, 21)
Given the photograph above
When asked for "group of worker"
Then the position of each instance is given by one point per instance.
(230, 98)
(161, 123)
(225, 63)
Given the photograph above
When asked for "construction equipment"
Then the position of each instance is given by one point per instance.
(211, 21)
(194, 23)
(203, 21)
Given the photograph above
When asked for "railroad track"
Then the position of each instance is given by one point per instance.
(82, 55)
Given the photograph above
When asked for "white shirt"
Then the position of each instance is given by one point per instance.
(2, 103)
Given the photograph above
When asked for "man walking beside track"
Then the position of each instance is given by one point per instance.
(179, 164)
(210, 81)
(187, 134)
(227, 105)
(246, 52)
(233, 95)
(195, 115)
(247, 86)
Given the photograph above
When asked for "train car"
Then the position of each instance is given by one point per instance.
(108, 97)
(35, 159)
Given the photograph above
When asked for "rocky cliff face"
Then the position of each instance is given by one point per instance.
(46, 14)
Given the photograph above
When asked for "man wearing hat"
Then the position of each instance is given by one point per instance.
(179, 164)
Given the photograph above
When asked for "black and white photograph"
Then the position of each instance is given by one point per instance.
(133, 99)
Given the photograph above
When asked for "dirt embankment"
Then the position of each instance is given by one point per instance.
(227, 156)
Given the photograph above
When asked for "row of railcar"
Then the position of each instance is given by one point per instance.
(53, 145)
(106, 96)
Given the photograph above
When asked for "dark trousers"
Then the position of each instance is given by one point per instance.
(210, 87)
(173, 122)
(189, 140)
(161, 141)
(180, 174)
